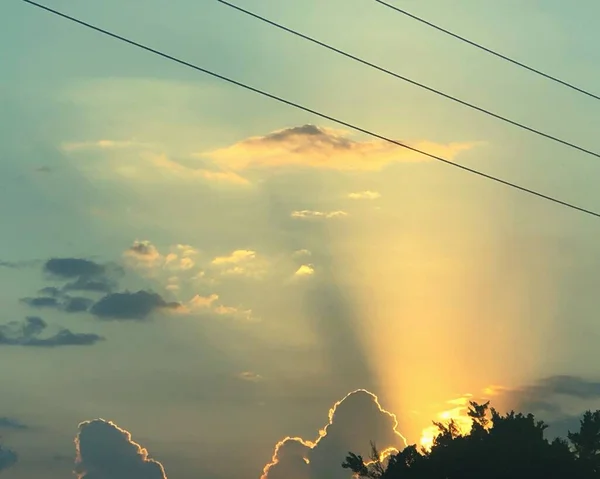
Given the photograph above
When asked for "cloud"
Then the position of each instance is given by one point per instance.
(312, 214)
(250, 376)
(41, 302)
(364, 195)
(241, 262)
(105, 451)
(10, 423)
(7, 458)
(181, 171)
(143, 251)
(354, 421)
(199, 302)
(76, 305)
(28, 333)
(544, 395)
(58, 301)
(323, 148)
(305, 270)
(68, 268)
(84, 274)
(145, 256)
(130, 306)
(236, 257)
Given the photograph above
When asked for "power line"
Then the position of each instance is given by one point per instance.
(412, 82)
(489, 50)
(314, 112)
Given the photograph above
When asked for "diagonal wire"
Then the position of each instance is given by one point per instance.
(408, 80)
(315, 112)
(492, 52)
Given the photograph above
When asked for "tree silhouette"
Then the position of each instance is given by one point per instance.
(498, 446)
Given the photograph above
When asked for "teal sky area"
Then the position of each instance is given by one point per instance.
(228, 267)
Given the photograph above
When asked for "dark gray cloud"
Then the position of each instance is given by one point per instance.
(68, 268)
(543, 396)
(127, 305)
(28, 333)
(105, 451)
(7, 458)
(317, 135)
(82, 274)
(41, 302)
(11, 423)
(50, 291)
(545, 399)
(353, 423)
(63, 303)
(76, 305)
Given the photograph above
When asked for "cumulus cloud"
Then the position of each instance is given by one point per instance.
(130, 306)
(241, 262)
(305, 270)
(211, 304)
(29, 333)
(105, 451)
(324, 148)
(312, 214)
(144, 256)
(353, 422)
(364, 195)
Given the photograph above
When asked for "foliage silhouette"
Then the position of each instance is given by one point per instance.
(509, 446)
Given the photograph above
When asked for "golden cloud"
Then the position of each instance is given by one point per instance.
(308, 214)
(324, 148)
(241, 262)
(364, 195)
(305, 270)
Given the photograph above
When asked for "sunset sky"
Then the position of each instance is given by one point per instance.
(212, 272)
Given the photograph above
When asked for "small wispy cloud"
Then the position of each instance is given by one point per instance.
(313, 214)
(364, 195)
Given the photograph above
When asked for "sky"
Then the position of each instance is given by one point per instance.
(200, 282)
